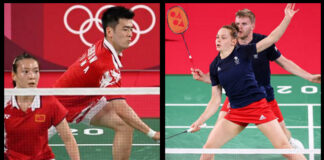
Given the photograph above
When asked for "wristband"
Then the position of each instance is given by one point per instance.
(151, 133)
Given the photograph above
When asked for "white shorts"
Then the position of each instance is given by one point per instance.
(88, 115)
(94, 109)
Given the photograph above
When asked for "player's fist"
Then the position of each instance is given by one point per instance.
(316, 78)
(197, 74)
(156, 136)
(195, 127)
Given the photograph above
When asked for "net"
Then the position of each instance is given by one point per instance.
(95, 142)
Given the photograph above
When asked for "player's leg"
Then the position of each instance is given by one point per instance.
(284, 128)
(277, 137)
(107, 117)
(221, 115)
(223, 131)
(128, 115)
(225, 108)
(276, 110)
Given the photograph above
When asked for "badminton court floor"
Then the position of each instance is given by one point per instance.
(95, 143)
(299, 101)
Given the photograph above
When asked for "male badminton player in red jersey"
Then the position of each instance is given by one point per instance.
(245, 20)
(28, 118)
(100, 67)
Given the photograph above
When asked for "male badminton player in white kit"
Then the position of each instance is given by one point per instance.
(100, 67)
(245, 20)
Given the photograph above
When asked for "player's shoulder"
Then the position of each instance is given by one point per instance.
(258, 37)
(244, 48)
(216, 59)
(101, 49)
(8, 102)
(98, 42)
(215, 62)
(50, 103)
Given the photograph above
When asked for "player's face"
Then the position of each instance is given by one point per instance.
(224, 40)
(122, 34)
(27, 75)
(245, 26)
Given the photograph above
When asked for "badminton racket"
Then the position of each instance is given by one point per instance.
(178, 23)
(186, 131)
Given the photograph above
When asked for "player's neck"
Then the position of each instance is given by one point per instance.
(24, 102)
(227, 52)
(246, 40)
(117, 49)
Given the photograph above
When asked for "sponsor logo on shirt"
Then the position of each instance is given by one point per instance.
(40, 117)
(6, 116)
(255, 56)
(219, 69)
(109, 78)
(236, 60)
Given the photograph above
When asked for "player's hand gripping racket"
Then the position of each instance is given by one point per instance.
(186, 131)
(178, 23)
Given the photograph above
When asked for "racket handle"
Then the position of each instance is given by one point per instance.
(191, 61)
(201, 126)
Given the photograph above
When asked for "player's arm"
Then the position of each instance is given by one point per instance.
(211, 108)
(276, 34)
(293, 68)
(70, 144)
(197, 74)
(131, 118)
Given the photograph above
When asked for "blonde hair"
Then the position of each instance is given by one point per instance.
(246, 13)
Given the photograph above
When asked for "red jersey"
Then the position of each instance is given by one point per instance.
(98, 67)
(26, 133)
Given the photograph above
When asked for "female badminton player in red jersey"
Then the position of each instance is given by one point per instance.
(232, 69)
(28, 118)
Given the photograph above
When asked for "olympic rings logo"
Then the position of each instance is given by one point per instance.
(96, 19)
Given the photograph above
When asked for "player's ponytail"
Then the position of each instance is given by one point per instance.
(236, 30)
(233, 28)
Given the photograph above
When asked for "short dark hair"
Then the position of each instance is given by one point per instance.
(25, 55)
(111, 16)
